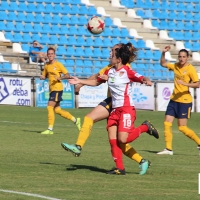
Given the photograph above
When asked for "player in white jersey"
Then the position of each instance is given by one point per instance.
(122, 117)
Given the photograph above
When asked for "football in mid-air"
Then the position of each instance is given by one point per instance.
(96, 25)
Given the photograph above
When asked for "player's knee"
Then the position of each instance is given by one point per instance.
(58, 111)
(122, 140)
(182, 129)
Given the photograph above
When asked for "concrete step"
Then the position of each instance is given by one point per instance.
(102, 3)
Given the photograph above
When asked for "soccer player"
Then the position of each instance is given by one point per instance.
(180, 105)
(99, 113)
(53, 70)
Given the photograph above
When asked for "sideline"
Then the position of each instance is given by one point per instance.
(29, 194)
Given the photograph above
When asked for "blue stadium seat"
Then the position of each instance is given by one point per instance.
(61, 50)
(64, 30)
(172, 14)
(46, 28)
(12, 16)
(188, 36)
(18, 38)
(45, 39)
(89, 42)
(115, 41)
(36, 37)
(141, 44)
(57, 19)
(140, 54)
(83, 10)
(31, 7)
(156, 4)
(4, 5)
(180, 25)
(73, 30)
(108, 21)
(55, 29)
(88, 63)
(98, 65)
(21, 17)
(87, 71)
(196, 46)
(148, 14)
(125, 33)
(47, 18)
(188, 45)
(40, 7)
(28, 27)
(116, 32)
(27, 38)
(23, 7)
(74, 19)
(10, 26)
(13, 6)
(79, 71)
(59, 9)
(157, 55)
(81, 41)
(140, 13)
(107, 42)
(104, 63)
(189, 26)
(141, 66)
(97, 52)
(70, 70)
(82, 30)
(83, 20)
(70, 63)
(70, 51)
(98, 42)
(19, 27)
(107, 32)
(72, 40)
(37, 28)
(74, 9)
(39, 18)
(49, 8)
(3, 15)
(30, 17)
(25, 47)
(79, 63)
(88, 52)
(65, 20)
(66, 8)
(63, 40)
(105, 53)
(196, 35)
(92, 10)
(180, 15)
(53, 39)
(156, 23)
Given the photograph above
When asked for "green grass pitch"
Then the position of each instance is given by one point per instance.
(37, 164)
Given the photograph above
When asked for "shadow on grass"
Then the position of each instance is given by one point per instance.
(50, 163)
(32, 131)
(150, 151)
(91, 168)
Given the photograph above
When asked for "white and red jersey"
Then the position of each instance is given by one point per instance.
(120, 85)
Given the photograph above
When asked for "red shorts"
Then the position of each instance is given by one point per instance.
(123, 118)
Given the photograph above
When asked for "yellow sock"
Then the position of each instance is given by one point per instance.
(51, 117)
(64, 114)
(189, 133)
(168, 134)
(85, 131)
(130, 152)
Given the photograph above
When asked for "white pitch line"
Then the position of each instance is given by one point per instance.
(29, 194)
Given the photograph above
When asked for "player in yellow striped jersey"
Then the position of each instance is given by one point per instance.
(53, 71)
(180, 105)
(101, 112)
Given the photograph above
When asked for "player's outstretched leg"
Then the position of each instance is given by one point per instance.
(151, 129)
(73, 148)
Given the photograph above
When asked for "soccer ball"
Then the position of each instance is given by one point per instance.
(96, 25)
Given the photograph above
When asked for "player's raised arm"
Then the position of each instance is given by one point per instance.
(163, 62)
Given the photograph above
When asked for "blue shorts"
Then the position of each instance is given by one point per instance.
(107, 103)
(179, 110)
(56, 96)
